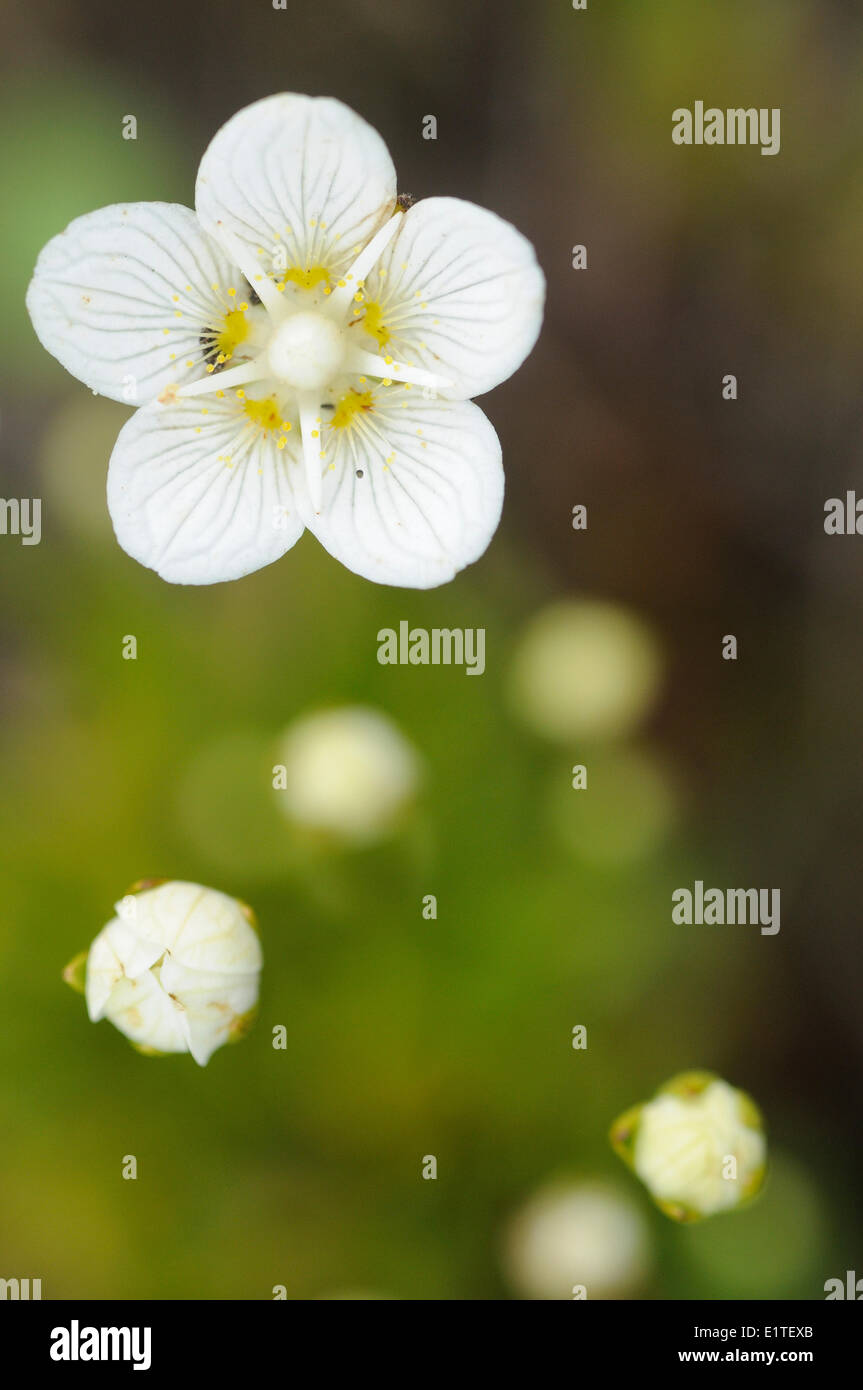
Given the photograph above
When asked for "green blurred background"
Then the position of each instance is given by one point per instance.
(408, 1037)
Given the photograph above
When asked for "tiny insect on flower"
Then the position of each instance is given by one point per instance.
(251, 327)
(176, 969)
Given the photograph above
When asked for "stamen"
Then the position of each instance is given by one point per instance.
(234, 376)
(361, 361)
(342, 297)
(311, 448)
(258, 278)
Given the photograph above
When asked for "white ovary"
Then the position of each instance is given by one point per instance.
(176, 970)
(306, 351)
(683, 1146)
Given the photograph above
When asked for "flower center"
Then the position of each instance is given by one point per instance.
(306, 350)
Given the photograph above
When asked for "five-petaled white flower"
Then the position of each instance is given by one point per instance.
(176, 970)
(303, 352)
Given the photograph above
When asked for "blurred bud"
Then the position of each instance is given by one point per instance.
(349, 772)
(572, 1235)
(585, 669)
(698, 1146)
(179, 974)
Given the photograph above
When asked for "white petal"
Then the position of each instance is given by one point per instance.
(122, 296)
(199, 493)
(457, 292)
(302, 181)
(104, 971)
(430, 493)
(200, 927)
(212, 1004)
(144, 1012)
(118, 951)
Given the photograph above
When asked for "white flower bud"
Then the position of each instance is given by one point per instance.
(572, 1235)
(698, 1146)
(349, 772)
(176, 970)
(585, 669)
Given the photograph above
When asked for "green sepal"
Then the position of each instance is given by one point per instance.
(688, 1084)
(75, 973)
(242, 1024)
(143, 885)
(623, 1134)
(250, 916)
(146, 1051)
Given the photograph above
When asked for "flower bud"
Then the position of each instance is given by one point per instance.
(176, 970)
(349, 773)
(585, 669)
(698, 1146)
(572, 1234)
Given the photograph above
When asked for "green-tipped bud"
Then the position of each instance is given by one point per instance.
(698, 1146)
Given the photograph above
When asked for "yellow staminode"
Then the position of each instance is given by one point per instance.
(265, 414)
(235, 330)
(306, 279)
(349, 406)
(374, 325)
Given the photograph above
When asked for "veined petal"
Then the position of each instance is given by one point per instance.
(124, 295)
(303, 182)
(457, 292)
(202, 494)
(117, 952)
(213, 1004)
(412, 487)
(144, 1011)
(104, 971)
(205, 930)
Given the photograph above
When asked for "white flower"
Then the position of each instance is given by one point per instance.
(349, 772)
(698, 1146)
(572, 1234)
(355, 334)
(176, 970)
